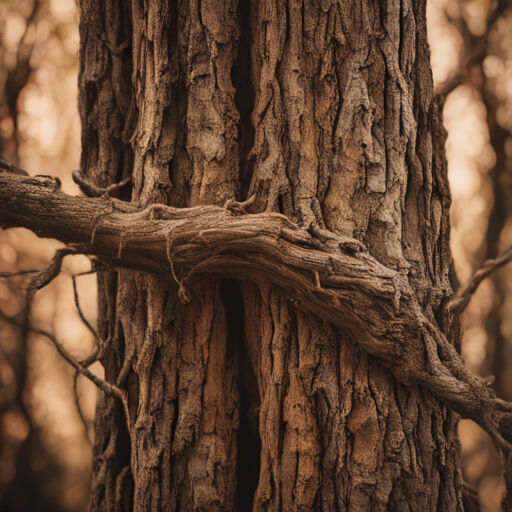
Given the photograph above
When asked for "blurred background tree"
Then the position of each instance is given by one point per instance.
(45, 453)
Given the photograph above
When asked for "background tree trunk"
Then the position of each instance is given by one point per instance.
(325, 112)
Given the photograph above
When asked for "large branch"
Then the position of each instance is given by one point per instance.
(328, 275)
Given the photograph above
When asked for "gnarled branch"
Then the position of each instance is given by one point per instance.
(329, 275)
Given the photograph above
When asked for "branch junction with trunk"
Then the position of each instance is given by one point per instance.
(330, 276)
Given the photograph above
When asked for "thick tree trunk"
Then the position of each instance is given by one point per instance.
(347, 136)
(157, 104)
(344, 135)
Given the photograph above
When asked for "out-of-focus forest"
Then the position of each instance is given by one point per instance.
(47, 412)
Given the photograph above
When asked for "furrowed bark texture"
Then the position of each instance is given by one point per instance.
(330, 276)
(157, 103)
(347, 139)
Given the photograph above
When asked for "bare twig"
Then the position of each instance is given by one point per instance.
(92, 190)
(106, 387)
(20, 273)
(86, 362)
(459, 303)
(86, 273)
(92, 357)
(46, 275)
(5, 165)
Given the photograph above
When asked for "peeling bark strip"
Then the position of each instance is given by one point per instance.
(330, 276)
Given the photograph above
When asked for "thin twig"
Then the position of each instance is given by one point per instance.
(5, 165)
(92, 357)
(100, 383)
(47, 274)
(105, 386)
(90, 189)
(86, 273)
(459, 303)
(86, 362)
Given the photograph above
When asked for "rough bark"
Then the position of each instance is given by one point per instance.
(157, 102)
(348, 145)
(347, 137)
(329, 275)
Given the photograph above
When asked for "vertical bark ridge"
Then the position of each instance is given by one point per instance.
(186, 371)
(212, 120)
(105, 100)
(155, 72)
(347, 134)
(106, 110)
(157, 101)
(111, 452)
(269, 177)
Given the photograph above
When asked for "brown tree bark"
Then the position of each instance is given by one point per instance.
(157, 104)
(345, 139)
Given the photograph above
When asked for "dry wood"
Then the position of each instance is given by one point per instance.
(328, 275)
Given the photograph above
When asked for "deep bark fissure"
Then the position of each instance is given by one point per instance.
(248, 439)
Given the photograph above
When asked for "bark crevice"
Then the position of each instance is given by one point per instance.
(248, 439)
(244, 96)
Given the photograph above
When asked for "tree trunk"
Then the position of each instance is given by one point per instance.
(324, 111)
